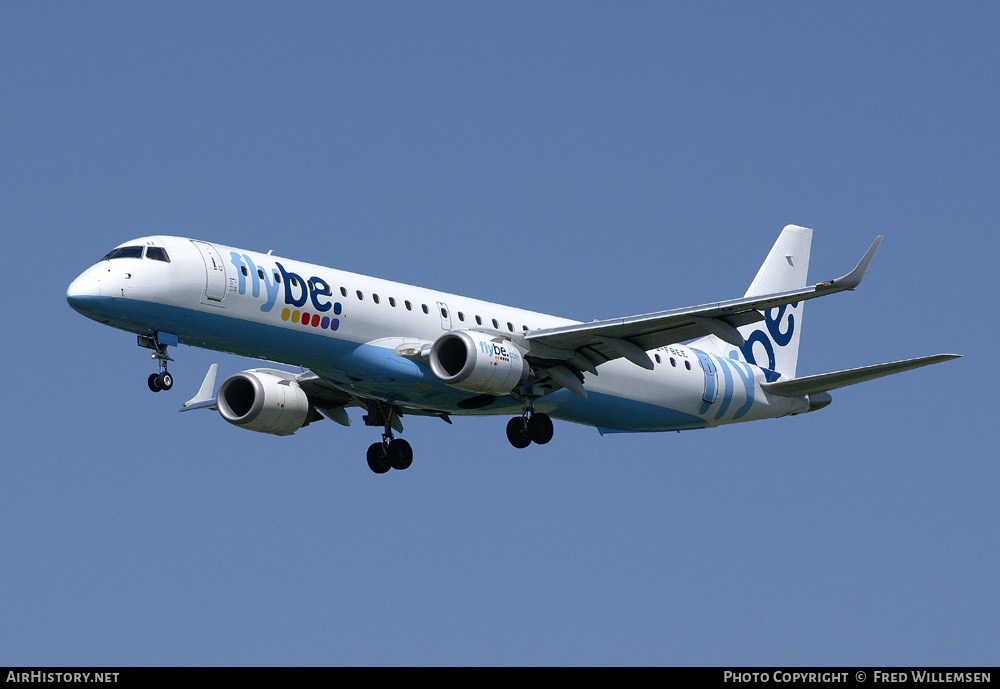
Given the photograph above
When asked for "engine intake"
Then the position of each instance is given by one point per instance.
(477, 362)
(263, 402)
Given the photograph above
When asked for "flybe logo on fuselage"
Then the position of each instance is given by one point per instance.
(309, 294)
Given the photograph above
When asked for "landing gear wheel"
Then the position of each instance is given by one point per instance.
(400, 454)
(165, 381)
(378, 458)
(540, 428)
(517, 434)
(154, 382)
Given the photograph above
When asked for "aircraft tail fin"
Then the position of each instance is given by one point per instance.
(774, 343)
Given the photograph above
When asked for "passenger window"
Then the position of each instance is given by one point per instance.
(243, 269)
(392, 301)
(375, 298)
(260, 271)
(461, 316)
(361, 297)
(157, 253)
(277, 278)
(524, 328)
(687, 365)
(343, 291)
(496, 324)
(673, 362)
(409, 306)
(479, 320)
(444, 312)
(293, 282)
(657, 358)
(510, 326)
(424, 307)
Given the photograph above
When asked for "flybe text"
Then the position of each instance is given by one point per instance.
(499, 351)
(268, 282)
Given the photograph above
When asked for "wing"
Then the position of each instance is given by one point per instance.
(323, 395)
(327, 397)
(588, 345)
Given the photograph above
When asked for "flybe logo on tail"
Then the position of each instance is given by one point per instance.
(298, 293)
(774, 335)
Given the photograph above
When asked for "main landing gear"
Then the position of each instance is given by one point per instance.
(162, 380)
(391, 453)
(530, 427)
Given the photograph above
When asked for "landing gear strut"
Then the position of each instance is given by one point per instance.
(530, 427)
(391, 453)
(162, 380)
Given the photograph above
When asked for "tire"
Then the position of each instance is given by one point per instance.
(400, 454)
(165, 381)
(378, 459)
(517, 433)
(153, 382)
(540, 428)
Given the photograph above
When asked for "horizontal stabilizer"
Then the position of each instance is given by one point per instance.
(810, 385)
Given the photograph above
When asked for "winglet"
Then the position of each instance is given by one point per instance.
(853, 279)
(204, 399)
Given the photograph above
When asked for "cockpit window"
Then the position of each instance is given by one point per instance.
(157, 253)
(124, 252)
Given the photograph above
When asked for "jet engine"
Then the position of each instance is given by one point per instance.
(263, 402)
(477, 362)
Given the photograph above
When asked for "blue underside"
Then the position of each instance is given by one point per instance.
(371, 371)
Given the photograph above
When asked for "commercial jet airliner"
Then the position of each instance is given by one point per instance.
(396, 350)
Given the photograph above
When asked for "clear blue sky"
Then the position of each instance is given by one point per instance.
(589, 160)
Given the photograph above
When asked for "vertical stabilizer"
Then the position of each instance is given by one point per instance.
(774, 342)
(786, 265)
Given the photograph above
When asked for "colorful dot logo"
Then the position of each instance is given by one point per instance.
(313, 320)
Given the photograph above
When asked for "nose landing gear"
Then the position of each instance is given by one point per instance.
(158, 343)
(160, 381)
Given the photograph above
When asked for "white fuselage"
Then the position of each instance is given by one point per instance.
(350, 329)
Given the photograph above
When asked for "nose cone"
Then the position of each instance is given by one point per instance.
(82, 292)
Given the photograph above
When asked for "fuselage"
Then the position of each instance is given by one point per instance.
(353, 331)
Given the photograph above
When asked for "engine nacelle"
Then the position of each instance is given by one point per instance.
(263, 402)
(477, 362)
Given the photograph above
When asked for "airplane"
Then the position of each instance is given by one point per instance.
(398, 350)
